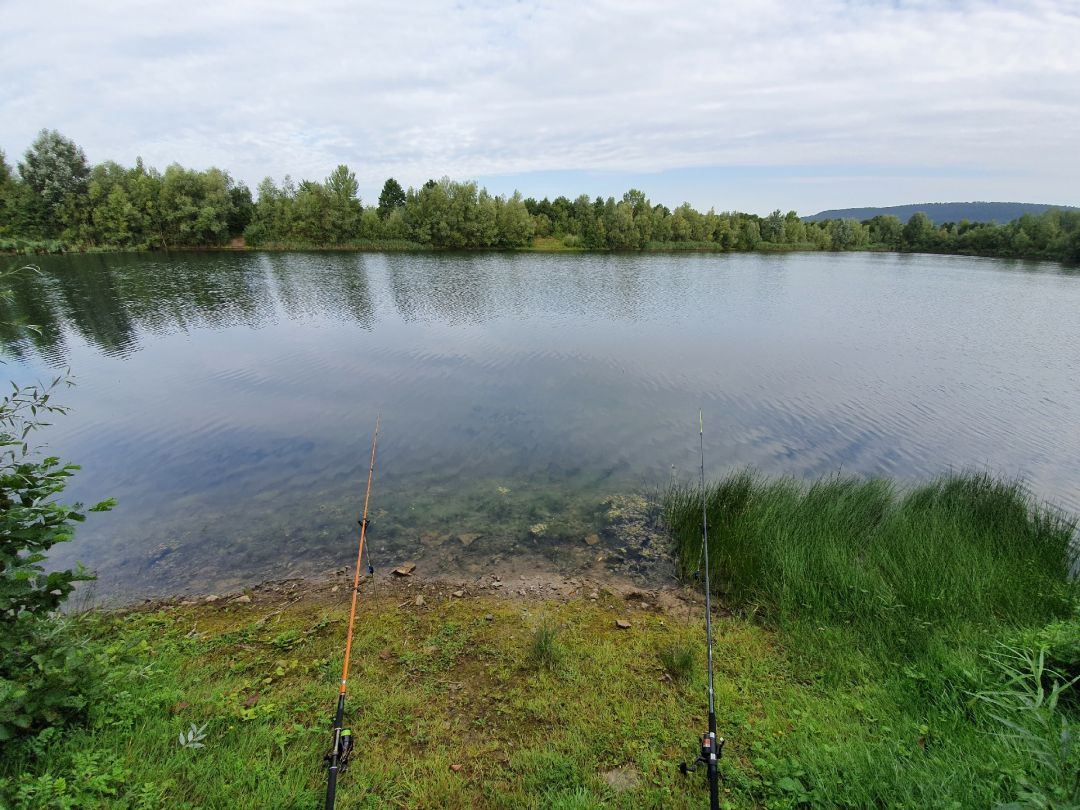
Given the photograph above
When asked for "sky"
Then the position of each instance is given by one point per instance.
(735, 105)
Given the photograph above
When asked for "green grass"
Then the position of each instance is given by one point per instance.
(894, 570)
(431, 687)
(904, 600)
(679, 661)
(874, 648)
(544, 647)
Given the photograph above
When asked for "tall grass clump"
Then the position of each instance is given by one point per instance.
(859, 560)
(898, 604)
(544, 650)
(678, 661)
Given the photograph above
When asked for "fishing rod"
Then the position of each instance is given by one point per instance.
(338, 758)
(711, 745)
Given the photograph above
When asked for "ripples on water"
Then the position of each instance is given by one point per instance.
(227, 400)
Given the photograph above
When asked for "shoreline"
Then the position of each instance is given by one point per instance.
(336, 586)
(763, 249)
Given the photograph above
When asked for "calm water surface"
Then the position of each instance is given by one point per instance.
(227, 400)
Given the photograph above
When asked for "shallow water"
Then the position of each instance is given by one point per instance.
(227, 400)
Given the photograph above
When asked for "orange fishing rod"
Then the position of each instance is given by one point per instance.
(338, 758)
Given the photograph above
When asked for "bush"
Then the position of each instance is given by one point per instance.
(44, 668)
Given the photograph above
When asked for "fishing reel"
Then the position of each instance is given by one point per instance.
(363, 524)
(344, 745)
(711, 749)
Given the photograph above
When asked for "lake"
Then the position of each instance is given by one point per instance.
(227, 400)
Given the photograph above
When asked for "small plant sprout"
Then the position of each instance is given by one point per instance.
(678, 661)
(194, 737)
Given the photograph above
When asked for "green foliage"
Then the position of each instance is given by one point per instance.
(45, 670)
(391, 198)
(1028, 707)
(901, 602)
(57, 202)
(886, 570)
(56, 171)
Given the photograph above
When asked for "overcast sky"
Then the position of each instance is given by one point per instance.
(733, 104)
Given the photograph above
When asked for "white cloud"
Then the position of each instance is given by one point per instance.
(466, 89)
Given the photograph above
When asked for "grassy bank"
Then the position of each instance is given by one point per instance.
(535, 699)
(874, 648)
(928, 605)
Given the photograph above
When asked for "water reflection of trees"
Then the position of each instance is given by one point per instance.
(109, 300)
(29, 304)
(331, 283)
(455, 288)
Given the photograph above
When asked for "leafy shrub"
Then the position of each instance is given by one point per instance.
(44, 667)
(1032, 721)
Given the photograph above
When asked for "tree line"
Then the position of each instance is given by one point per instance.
(55, 200)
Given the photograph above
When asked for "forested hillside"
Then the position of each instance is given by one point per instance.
(942, 213)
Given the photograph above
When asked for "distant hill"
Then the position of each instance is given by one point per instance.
(944, 212)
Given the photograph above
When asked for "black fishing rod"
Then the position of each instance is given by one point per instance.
(338, 758)
(711, 745)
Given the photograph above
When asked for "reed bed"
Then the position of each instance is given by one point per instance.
(893, 568)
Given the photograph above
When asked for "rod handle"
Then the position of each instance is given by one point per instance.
(331, 786)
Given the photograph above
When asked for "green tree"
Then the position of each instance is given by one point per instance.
(515, 226)
(486, 228)
(886, 230)
(847, 234)
(56, 170)
(749, 234)
(345, 207)
(144, 190)
(311, 221)
(918, 231)
(774, 228)
(113, 219)
(242, 209)
(1071, 249)
(391, 197)
(8, 220)
(682, 228)
(267, 220)
(195, 206)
